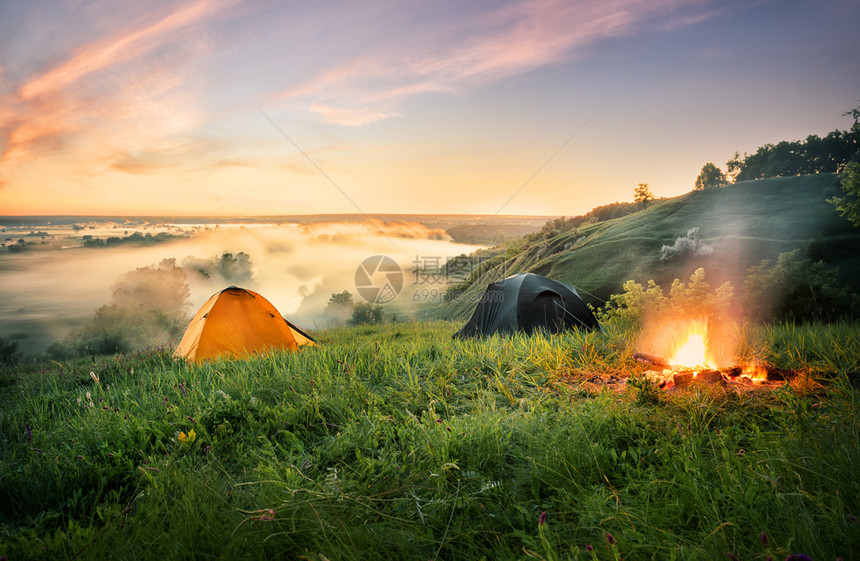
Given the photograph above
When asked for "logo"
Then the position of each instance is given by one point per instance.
(378, 279)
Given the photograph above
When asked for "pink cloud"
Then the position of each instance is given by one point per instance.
(513, 39)
(104, 91)
(114, 50)
(349, 117)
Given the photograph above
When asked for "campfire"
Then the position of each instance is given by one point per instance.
(694, 360)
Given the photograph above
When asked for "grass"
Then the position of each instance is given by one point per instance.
(398, 442)
(744, 223)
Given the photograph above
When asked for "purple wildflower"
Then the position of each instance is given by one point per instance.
(763, 538)
(182, 389)
(798, 557)
(732, 556)
(610, 539)
(29, 433)
(589, 548)
(542, 518)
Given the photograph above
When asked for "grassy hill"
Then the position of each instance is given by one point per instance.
(397, 442)
(743, 223)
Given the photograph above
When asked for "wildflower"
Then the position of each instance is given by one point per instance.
(588, 547)
(542, 518)
(95, 377)
(182, 389)
(79, 401)
(763, 538)
(89, 396)
(29, 433)
(267, 515)
(189, 438)
(798, 557)
(610, 539)
(732, 556)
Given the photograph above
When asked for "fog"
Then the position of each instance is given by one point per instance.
(297, 267)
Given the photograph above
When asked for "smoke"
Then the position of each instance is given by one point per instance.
(295, 266)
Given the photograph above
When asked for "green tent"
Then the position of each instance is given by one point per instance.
(528, 302)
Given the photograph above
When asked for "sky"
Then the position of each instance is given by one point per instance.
(520, 107)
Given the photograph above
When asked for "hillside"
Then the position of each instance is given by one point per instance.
(743, 223)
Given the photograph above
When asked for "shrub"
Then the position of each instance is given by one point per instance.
(364, 313)
(149, 305)
(796, 288)
(693, 299)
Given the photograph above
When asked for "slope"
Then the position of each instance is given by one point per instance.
(743, 223)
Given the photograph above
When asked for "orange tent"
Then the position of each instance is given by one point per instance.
(237, 323)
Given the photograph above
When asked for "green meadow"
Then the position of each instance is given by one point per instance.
(397, 442)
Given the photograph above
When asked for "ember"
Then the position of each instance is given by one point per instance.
(692, 362)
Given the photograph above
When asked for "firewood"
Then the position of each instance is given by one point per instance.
(651, 359)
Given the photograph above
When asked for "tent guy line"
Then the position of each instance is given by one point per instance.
(324, 174)
(546, 163)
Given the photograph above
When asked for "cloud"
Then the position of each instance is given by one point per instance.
(115, 92)
(513, 39)
(114, 50)
(133, 164)
(349, 117)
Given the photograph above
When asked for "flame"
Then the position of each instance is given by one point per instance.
(755, 372)
(693, 350)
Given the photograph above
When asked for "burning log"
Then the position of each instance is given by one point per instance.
(688, 377)
(653, 360)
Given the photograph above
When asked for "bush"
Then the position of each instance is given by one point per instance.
(364, 313)
(149, 305)
(8, 351)
(694, 299)
(797, 289)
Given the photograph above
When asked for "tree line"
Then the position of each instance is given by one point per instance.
(833, 153)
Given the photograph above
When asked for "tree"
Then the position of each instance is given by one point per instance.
(848, 205)
(365, 313)
(642, 195)
(711, 176)
(339, 308)
(734, 167)
(149, 305)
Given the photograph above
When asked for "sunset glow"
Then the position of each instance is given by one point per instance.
(221, 107)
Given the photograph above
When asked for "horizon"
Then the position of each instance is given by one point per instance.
(523, 108)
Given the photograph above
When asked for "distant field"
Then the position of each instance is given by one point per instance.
(397, 442)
